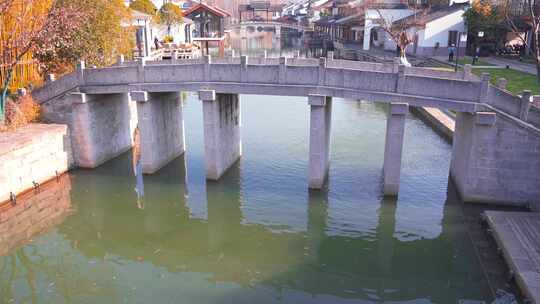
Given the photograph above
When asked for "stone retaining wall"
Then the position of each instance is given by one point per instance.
(34, 153)
(34, 213)
(496, 160)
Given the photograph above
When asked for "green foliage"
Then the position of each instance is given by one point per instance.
(144, 6)
(100, 40)
(170, 14)
(485, 17)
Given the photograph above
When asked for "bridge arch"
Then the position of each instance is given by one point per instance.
(496, 147)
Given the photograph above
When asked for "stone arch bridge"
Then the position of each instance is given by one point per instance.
(496, 145)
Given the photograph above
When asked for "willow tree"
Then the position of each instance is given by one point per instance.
(27, 26)
(144, 6)
(170, 15)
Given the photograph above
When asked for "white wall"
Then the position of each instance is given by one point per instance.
(437, 30)
(390, 15)
(177, 32)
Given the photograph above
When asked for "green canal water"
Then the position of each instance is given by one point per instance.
(258, 235)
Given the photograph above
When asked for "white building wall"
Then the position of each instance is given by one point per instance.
(390, 15)
(177, 32)
(437, 30)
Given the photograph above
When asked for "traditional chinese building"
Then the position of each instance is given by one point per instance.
(209, 26)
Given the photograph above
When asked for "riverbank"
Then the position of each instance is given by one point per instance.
(441, 122)
(32, 155)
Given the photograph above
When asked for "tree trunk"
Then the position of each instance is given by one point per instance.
(537, 54)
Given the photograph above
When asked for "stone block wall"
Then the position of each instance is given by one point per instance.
(101, 125)
(102, 128)
(34, 153)
(496, 163)
(222, 132)
(34, 213)
(161, 125)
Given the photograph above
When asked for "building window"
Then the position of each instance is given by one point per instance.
(452, 37)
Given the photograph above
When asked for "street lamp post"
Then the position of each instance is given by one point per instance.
(462, 37)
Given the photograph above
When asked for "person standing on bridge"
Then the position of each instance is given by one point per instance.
(137, 167)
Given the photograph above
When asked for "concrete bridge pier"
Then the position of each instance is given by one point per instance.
(222, 138)
(395, 130)
(101, 125)
(161, 127)
(319, 139)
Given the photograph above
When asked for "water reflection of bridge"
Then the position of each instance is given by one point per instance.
(275, 35)
(309, 261)
(268, 24)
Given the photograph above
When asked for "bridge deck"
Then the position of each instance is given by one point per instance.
(518, 235)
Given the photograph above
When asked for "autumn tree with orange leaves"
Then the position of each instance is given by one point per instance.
(27, 26)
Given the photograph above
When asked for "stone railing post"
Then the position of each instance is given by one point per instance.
(80, 72)
(282, 70)
(207, 59)
(21, 92)
(322, 70)
(501, 83)
(525, 105)
(51, 77)
(484, 88)
(467, 72)
(296, 54)
(400, 83)
(233, 53)
(174, 56)
(244, 68)
(536, 100)
(140, 69)
(120, 60)
(330, 55)
(396, 63)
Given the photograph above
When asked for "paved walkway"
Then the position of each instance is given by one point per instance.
(513, 64)
(518, 235)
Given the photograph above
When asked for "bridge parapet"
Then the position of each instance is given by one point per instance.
(497, 135)
(296, 77)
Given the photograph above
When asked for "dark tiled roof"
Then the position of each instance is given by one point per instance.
(328, 20)
(432, 14)
(213, 9)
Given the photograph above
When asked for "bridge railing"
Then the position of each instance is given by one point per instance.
(534, 116)
(442, 87)
(361, 65)
(56, 88)
(504, 101)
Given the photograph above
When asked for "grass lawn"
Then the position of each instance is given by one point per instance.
(468, 60)
(526, 59)
(517, 81)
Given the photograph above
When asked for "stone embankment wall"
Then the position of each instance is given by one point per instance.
(33, 154)
(441, 122)
(34, 213)
(101, 126)
(496, 160)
